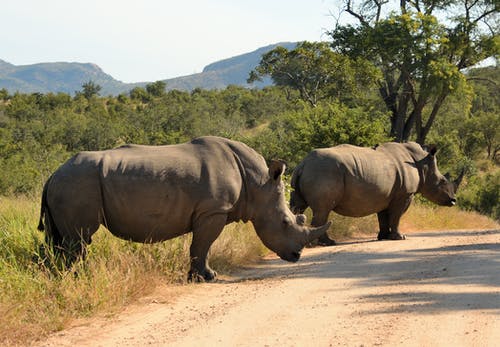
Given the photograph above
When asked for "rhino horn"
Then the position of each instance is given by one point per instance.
(313, 233)
(458, 180)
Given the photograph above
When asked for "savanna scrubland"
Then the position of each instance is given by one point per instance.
(38, 132)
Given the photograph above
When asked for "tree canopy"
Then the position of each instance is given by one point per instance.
(90, 89)
(316, 72)
(422, 49)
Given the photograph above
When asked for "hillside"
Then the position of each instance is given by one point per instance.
(225, 72)
(56, 77)
(69, 77)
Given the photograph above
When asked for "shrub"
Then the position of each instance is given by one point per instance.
(482, 193)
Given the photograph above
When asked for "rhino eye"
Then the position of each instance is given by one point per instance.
(287, 221)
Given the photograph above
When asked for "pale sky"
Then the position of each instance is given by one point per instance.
(150, 40)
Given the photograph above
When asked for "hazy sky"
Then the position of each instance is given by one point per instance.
(150, 40)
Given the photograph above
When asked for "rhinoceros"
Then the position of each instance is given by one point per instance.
(358, 181)
(155, 193)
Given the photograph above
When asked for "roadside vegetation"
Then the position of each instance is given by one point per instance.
(354, 90)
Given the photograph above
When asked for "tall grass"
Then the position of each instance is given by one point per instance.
(36, 298)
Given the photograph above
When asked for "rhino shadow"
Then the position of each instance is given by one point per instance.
(456, 265)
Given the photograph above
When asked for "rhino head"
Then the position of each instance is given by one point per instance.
(278, 228)
(434, 186)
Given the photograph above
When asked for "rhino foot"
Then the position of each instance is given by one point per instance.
(326, 241)
(396, 236)
(383, 236)
(391, 236)
(323, 241)
(206, 275)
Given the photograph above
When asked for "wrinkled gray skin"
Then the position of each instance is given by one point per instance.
(151, 194)
(356, 181)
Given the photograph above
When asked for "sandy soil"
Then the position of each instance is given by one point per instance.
(433, 289)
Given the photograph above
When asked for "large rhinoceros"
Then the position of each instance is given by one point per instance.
(155, 193)
(356, 181)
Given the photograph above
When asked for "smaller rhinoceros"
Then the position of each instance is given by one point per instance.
(155, 193)
(356, 181)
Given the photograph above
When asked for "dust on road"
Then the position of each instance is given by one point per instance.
(433, 289)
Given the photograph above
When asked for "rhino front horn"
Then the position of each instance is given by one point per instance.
(314, 233)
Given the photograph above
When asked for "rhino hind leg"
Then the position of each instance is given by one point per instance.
(73, 250)
(67, 247)
(205, 231)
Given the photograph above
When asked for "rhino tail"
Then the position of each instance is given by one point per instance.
(46, 222)
(43, 206)
(297, 201)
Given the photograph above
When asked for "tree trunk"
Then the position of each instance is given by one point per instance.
(423, 130)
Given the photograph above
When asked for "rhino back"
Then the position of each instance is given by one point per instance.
(154, 193)
(353, 181)
(159, 192)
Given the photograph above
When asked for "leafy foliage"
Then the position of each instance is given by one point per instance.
(292, 135)
(317, 72)
(421, 59)
(483, 194)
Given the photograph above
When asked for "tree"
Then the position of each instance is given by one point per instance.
(157, 88)
(90, 89)
(316, 72)
(4, 94)
(421, 57)
(139, 94)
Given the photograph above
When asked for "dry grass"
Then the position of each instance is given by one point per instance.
(37, 298)
(425, 217)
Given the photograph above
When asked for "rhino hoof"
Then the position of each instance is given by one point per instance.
(396, 236)
(383, 236)
(321, 242)
(326, 242)
(206, 276)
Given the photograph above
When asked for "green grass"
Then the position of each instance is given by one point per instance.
(37, 299)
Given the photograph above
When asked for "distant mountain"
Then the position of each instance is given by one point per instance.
(225, 72)
(56, 77)
(69, 77)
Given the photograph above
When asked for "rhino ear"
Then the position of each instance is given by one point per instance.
(276, 169)
(431, 149)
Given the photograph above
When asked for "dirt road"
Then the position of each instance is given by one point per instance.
(434, 289)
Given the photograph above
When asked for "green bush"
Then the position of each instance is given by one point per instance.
(293, 134)
(482, 194)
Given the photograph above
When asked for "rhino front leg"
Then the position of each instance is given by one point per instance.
(206, 230)
(383, 222)
(394, 216)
